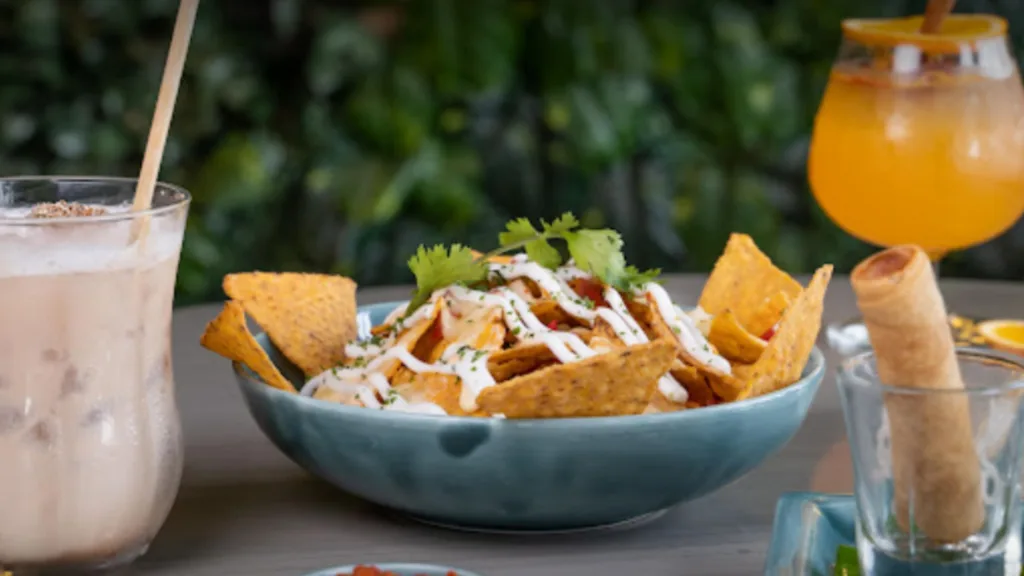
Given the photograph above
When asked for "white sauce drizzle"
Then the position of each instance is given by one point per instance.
(623, 323)
(555, 287)
(701, 318)
(365, 383)
(686, 331)
(570, 272)
(472, 371)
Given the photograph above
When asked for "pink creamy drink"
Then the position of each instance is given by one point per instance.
(90, 440)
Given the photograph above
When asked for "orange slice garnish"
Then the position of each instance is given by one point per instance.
(1006, 335)
(957, 30)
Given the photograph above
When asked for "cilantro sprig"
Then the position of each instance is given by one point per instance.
(437, 267)
(598, 252)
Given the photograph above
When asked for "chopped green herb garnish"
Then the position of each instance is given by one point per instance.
(436, 268)
(598, 252)
(521, 233)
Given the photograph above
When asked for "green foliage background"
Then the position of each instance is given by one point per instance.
(326, 135)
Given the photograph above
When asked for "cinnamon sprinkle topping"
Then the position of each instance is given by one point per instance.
(63, 209)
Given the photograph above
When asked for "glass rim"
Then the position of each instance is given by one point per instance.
(185, 198)
(868, 32)
(846, 374)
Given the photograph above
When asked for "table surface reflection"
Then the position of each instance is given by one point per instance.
(244, 509)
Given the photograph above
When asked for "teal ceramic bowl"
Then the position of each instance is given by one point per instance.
(500, 474)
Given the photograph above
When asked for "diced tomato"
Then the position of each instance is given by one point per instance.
(768, 334)
(553, 324)
(589, 289)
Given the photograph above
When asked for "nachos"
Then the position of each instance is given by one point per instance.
(551, 324)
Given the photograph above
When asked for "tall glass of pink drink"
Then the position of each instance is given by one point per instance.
(90, 438)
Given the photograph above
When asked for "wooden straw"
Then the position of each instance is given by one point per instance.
(164, 110)
(934, 14)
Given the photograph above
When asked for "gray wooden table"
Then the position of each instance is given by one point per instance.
(245, 510)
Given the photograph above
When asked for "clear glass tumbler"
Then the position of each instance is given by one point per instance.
(90, 437)
(936, 471)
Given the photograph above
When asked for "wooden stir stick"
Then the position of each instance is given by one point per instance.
(162, 114)
(934, 14)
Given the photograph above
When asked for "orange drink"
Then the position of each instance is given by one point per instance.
(920, 139)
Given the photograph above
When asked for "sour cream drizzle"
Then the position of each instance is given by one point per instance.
(552, 284)
(623, 323)
(525, 326)
(365, 382)
(686, 331)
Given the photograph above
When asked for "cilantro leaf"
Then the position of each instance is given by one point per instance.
(436, 268)
(564, 223)
(600, 253)
(544, 254)
(520, 232)
(517, 231)
(635, 277)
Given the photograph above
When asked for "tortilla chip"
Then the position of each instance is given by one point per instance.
(518, 366)
(604, 331)
(411, 338)
(728, 387)
(441, 389)
(229, 336)
(659, 404)
(733, 341)
(585, 334)
(643, 313)
(743, 278)
(614, 384)
(548, 311)
(660, 330)
(509, 363)
(309, 317)
(527, 289)
(392, 369)
(696, 383)
(480, 329)
(602, 345)
(402, 377)
(431, 343)
(522, 351)
(507, 259)
(784, 359)
(769, 314)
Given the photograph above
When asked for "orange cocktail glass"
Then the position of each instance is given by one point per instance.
(920, 138)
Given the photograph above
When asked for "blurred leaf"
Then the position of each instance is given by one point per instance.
(339, 136)
(239, 172)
